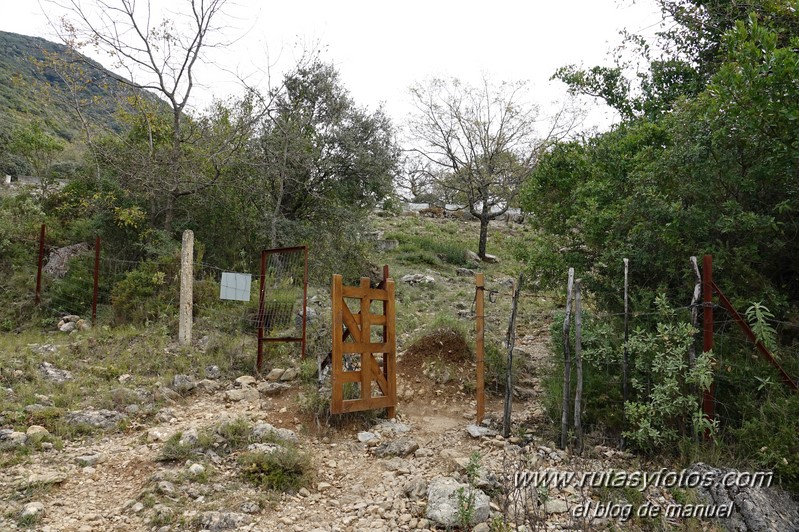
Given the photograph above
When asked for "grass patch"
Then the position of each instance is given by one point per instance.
(284, 470)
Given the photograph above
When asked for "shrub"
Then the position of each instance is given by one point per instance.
(147, 292)
(286, 469)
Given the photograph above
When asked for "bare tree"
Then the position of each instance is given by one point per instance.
(159, 55)
(482, 140)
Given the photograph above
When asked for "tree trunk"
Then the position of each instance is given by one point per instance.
(481, 249)
(169, 212)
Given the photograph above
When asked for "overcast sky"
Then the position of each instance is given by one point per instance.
(382, 48)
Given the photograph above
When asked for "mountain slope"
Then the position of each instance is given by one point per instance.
(45, 82)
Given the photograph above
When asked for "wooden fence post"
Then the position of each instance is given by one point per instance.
(509, 372)
(186, 287)
(578, 361)
(479, 282)
(567, 368)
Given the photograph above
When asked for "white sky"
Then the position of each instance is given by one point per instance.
(382, 48)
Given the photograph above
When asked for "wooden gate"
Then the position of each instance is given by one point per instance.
(359, 337)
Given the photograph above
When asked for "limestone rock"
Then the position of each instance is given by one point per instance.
(10, 439)
(418, 278)
(398, 447)
(556, 506)
(183, 383)
(415, 488)
(755, 509)
(215, 521)
(213, 372)
(275, 374)
(32, 510)
(245, 380)
(246, 393)
(58, 260)
(158, 434)
(263, 430)
(442, 501)
(188, 437)
(290, 374)
(477, 431)
(104, 419)
(272, 388)
(34, 430)
(90, 460)
(52, 373)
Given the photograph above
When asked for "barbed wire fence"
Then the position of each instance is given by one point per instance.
(89, 287)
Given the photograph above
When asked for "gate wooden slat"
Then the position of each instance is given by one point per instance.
(366, 333)
(352, 347)
(351, 323)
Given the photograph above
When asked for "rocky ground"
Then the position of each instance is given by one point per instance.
(370, 474)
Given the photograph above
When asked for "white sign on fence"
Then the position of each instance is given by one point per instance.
(235, 286)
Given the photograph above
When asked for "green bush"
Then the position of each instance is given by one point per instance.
(285, 470)
(768, 435)
(147, 292)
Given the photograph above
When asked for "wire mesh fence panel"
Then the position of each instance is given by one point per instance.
(283, 291)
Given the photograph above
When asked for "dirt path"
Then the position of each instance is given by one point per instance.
(352, 489)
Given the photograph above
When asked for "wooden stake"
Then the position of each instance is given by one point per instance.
(186, 287)
(479, 282)
(567, 369)
(697, 297)
(578, 361)
(509, 373)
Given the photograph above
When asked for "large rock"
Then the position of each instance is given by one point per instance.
(754, 509)
(444, 497)
(215, 521)
(58, 260)
(103, 419)
(398, 447)
(10, 439)
(51, 373)
(418, 278)
(247, 394)
(272, 388)
(183, 384)
(263, 430)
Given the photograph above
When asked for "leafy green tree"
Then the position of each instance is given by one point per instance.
(38, 149)
(320, 162)
(160, 57)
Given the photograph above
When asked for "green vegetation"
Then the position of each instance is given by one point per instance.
(286, 469)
